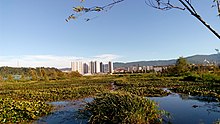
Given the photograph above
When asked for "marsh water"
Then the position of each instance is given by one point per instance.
(67, 112)
(184, 109)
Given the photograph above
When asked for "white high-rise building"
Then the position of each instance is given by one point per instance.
(77, 66)
(97, 67)
(93, 67)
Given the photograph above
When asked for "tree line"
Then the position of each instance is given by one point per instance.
(35, 74)
(183, 67)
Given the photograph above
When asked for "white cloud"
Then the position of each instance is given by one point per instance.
(107, 57)
(49, 60)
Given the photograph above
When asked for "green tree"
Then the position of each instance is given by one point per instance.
(10, 78)
(1, 79)
(22, 77)
(54, 74)
(44, 75)
(74, 74)
(158, 4)
(33, 74)
(61, 75)
(40, 74)
(182, 66)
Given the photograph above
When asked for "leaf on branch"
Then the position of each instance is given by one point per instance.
(98, 9)
(81, 10)
(70, 17)
(87, 19)
(78, 9)
(86, 9)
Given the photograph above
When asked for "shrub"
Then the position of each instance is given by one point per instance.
(74, 74)
(123, 107)
(192, 77)
(211, 77)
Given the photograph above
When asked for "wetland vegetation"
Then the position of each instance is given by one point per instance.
(118, 98)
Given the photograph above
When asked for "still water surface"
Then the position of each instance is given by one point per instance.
(66, 113)
(184, 109)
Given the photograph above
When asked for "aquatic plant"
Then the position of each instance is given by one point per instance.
(145, 91)
(123, 107)
(23, 102)
(128, 87)
(13, 111)
(53, 91)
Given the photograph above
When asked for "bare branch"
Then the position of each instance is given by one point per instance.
(218, 5)
(160, 4)
(166, 5)
(189, 3)
(157, 4)
(195, 14)
(115, 2)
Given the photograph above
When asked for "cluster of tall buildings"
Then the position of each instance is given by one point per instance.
(92, 67)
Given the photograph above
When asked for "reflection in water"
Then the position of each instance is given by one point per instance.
(200, 98)
(186, 109)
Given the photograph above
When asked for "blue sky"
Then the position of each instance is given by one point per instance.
(35, 33)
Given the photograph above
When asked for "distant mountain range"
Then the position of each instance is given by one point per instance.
(196, 59)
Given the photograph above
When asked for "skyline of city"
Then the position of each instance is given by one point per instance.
(61, 61)
(50, 60)
(92, 67)
(130, 31)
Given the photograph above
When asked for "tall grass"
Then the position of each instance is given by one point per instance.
(123, 107)
(145, 91)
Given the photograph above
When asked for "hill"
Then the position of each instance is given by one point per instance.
(196, 59)
(5, 71)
